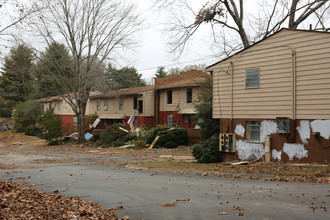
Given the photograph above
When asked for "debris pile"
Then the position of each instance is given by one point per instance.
(20, 202)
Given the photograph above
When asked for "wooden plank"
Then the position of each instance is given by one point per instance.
(154, 142)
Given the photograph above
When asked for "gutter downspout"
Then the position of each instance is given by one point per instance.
(231, 96)
(293, 137)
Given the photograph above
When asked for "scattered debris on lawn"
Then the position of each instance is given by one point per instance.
(250, 159)
(88, 136)
(20, 202)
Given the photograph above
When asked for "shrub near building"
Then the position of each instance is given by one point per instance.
(25, 114)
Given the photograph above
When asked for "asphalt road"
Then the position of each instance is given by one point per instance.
(149, 195)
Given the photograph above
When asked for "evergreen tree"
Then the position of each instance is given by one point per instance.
(16, 83)
(203, 105)
(123, 78)
(54, 64)
(160, 73)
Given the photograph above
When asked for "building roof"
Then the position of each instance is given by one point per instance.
(184, 79)
(51, 99)
(287, 29)
(123, 92)
(59, 98)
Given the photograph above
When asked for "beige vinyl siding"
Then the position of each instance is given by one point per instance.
(274, 97)
(148, 103)
(65, 108)
(179, 99)
(128, 104)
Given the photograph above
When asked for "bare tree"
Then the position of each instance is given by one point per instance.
(93, 30)
(231, 21)
(12, 14)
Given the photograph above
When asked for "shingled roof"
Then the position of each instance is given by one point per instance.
(183, 79)
(123, 92)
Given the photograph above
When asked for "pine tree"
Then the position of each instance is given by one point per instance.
(124, 78)
(16, 83)
(54, 64)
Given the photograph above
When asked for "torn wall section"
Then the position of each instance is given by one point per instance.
(312, 142)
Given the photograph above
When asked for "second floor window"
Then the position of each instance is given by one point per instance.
(105, 104)
(252, 78)
(169, 97)
(121, 104)
(189, 95)
(98, 105)
(135, 103)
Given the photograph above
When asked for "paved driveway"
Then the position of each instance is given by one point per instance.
(150, 195)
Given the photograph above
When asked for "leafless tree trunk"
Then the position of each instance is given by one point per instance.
(92, 30)
(231, 18)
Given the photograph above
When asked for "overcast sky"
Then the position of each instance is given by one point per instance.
(154, 50)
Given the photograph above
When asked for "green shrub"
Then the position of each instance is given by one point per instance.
(139, 144)
(32, 130)
(113, 136)
(26, 114)
(150, 135)
(55, 142)
(170, 139)
(95, 137)
(207, 151)
(51, 125)
(174, 138)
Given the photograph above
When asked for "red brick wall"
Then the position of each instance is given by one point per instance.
(67, 123)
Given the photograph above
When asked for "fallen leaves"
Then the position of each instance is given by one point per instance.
(20, 202)
(172, 204)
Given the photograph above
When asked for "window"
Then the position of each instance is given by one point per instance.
(121, 104)
(98, 105)
(169, 121)
(189, 95)
(58, 106)
(185, 118)
(106, 123)
(253, 130)
(105, 104)
(140, 108)
(75, 121)
(76, 106)
(252, 78)
(169, 97)
(135, 103)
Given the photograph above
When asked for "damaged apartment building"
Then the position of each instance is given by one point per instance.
(169, 102)
(273, 98)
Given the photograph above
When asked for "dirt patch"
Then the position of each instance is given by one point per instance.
(280, 172)
(18, 139)
(20, 202)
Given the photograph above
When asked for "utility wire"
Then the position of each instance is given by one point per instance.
(150, 68)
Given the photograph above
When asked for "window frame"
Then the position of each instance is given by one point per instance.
(75, 121)
(189, 95)
(185, 118)
(169, 97)
(121, 104)
(140, 106)
(250, 75)
(135, 103)
(170, 120)
(98, 105)
(252, 126)
(106, 105)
